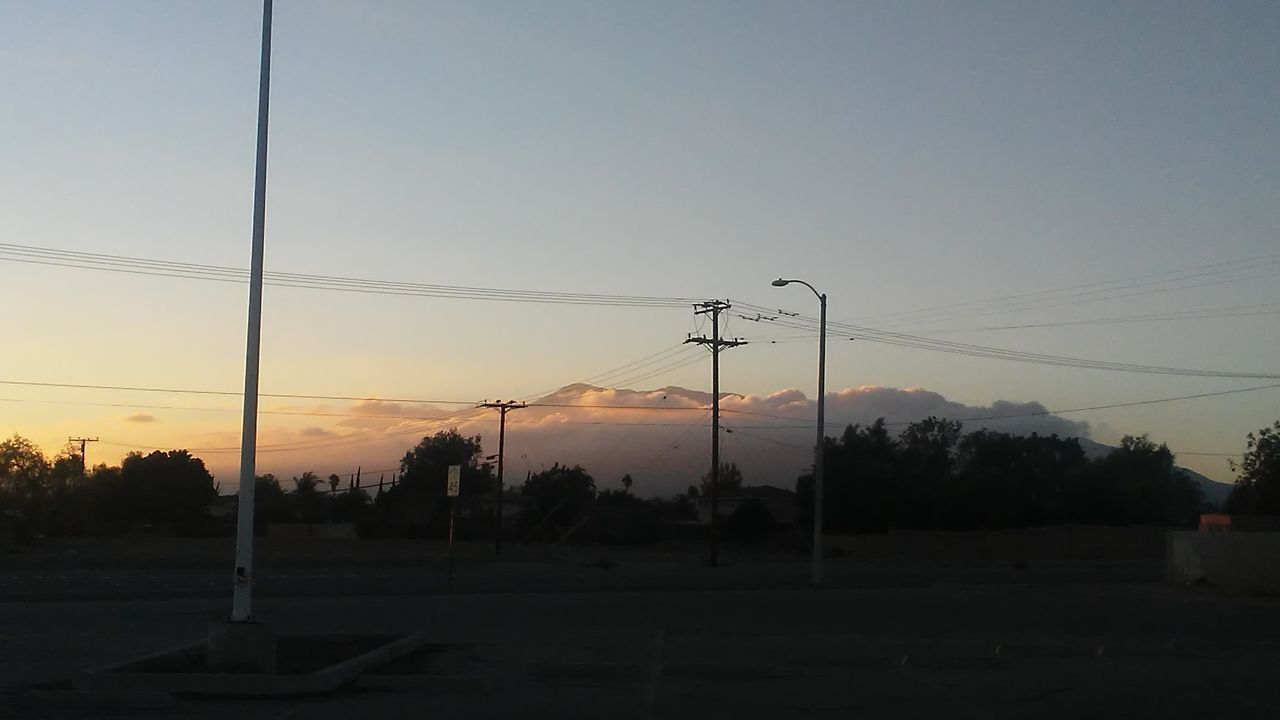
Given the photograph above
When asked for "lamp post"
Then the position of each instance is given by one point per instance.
(821, 440)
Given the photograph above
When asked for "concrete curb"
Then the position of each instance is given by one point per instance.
(426, 683)
(118, 678)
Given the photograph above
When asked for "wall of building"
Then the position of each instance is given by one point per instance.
(1236, 559)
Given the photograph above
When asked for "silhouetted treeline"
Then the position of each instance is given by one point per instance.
(167, 492)
(309, 500)
(931, 476)
(934, 477)
(554, 505)
(164, 490)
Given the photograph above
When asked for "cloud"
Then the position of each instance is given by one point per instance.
(381, 415)
(612, 432)
(140, 417)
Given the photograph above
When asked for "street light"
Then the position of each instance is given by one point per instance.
(818, 445)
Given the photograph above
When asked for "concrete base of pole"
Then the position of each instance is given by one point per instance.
(241, 647)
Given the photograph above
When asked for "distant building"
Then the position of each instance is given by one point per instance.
(223, 506)
(1221, 522)
(780, 503)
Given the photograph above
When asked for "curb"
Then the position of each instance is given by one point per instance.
(119, 679)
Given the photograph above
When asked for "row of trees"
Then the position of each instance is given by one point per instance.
(930, 476)
(933, 476)
(39, 495)
(559, 502)
(310, 500)
(168, 491)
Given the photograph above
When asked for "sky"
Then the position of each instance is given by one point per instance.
(901, 157)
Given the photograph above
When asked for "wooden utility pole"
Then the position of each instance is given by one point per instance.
(714, 308)
(503, 407)
(84, 466)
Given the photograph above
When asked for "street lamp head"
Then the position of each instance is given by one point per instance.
(781, 283)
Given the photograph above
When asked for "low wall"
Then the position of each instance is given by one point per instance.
(1238, 559)
(1060, 543)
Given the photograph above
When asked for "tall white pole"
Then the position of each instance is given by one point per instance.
(242, 596)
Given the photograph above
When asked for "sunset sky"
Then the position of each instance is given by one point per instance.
(901, 157)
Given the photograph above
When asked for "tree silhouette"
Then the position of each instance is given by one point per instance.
(307, 484)
(309, 503)
(730, 479)
(24, 485)
(858, 481)
(270, 504)
(171, 489)
(418, 497)
(1143, 486)
(1257, 489)
(560, 494)
(926, 462)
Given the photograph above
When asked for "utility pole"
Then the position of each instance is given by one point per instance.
(84, 465)
(503, 407)
(714, 308)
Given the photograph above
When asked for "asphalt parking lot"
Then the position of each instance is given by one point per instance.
(749, 640)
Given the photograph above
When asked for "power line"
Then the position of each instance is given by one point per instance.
(1037, 413)
(801, 423)
(612, 376)
(1112, 406)
(1156, 317)
(438, 421)
(193, 271)
(1094, 290)
(229, 393)
(469, 416)
(1229, 311)
(801, 322)
(1064, 303)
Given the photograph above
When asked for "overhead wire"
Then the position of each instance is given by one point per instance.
(194, 271)
(1076, 291)
(436, 420)
(803, 322)
(1153, 317)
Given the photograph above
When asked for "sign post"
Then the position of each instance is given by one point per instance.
(452, 487)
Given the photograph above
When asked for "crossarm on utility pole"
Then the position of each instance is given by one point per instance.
(716, 344)
(503, 407)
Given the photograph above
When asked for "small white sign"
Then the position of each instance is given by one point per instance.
(455, 480)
